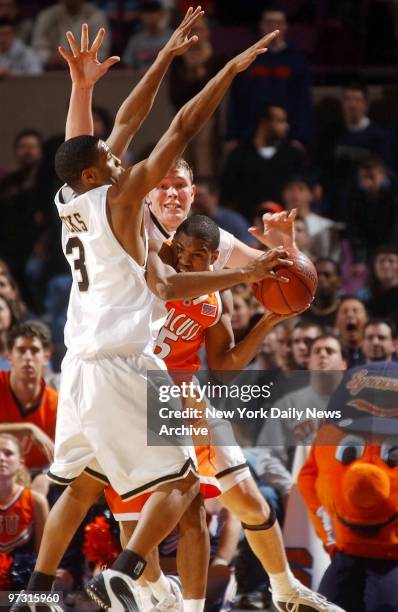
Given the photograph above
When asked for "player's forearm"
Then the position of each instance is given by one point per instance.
(186, 285)
(239, 356)
(197, 111)
(138, 104)
(79, 121)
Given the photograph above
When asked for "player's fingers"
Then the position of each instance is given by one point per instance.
(279, 277)
(73, 44)
(285, 262)
(264, 42)
(63, 53)
(110, 61)
(196, 15)
(97, 41)
(84, 38)
(292, 214)
(188, 43)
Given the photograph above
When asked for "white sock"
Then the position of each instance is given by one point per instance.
(146, 595)
(194, 605)
(283, 583)
(161, 588)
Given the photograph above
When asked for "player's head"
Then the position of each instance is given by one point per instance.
(170, 202)
(378, 340)
(195, 244)
(326, 354)
(28, 350)
(10, 457)
(86, 162)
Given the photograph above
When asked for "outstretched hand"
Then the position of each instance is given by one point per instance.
(85, 69)
(243, 60)
(278, 230)
(180, 40)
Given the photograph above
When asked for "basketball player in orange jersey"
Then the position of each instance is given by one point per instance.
(206, 320)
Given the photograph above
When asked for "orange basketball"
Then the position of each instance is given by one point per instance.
(291, 297)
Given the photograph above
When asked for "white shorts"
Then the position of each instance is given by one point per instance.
(102, 426)
(231, 463)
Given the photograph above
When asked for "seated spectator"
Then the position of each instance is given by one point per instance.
(373, 210)
(66, 15)
(382, 301)
(9, 290)
(241, 314)
(28, 405)
(351, 318)
(257, 170)
(142, 48)
(15, 57)
(354, 141)
(378, 341)
(279, 77)
(23, 513)
(302, 336)
(189, 73)
(206, 202)
(284, 346)
(9, 9)
(326, 302)
(8, 318)
(102, 122)
(298, 194)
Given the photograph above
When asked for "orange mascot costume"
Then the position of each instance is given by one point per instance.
(350, 486)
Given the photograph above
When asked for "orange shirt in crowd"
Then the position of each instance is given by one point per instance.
(16, 521)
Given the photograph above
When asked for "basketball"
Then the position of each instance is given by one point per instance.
(291, 297)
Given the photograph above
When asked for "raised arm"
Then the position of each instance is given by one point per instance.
(143, 177)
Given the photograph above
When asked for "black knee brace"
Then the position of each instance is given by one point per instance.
(267, 525)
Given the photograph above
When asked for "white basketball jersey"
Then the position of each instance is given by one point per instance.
(157, 232)
(110, 306)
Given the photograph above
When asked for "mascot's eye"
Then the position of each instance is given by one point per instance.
(389, 454)
(350, 449)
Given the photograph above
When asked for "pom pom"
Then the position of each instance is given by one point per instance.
(5, 565)
(99, 545)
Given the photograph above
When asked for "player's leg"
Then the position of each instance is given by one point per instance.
(265, 539)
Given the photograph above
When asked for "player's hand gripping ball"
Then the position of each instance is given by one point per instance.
(294, 296)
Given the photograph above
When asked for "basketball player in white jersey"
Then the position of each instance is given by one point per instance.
(168, 205)
(101, 428)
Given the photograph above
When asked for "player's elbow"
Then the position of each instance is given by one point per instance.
(163, 289)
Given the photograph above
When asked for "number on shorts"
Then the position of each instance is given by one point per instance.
(79, 262)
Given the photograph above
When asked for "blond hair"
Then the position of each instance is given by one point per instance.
(22, 477)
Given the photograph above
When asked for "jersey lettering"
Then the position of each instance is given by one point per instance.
(74, 223)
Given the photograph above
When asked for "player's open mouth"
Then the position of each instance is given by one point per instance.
(369, 528)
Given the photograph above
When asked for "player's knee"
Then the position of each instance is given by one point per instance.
(194, 518)
(85, 490)
(255, 511)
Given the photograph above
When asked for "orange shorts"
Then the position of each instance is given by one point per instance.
(209, 487)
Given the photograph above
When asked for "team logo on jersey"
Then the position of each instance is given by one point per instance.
(209, 310)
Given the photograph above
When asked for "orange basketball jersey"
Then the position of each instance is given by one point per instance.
(16, 521)
(182, 335)
(43, 414)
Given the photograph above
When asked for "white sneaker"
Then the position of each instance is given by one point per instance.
(304, 600)
(174, 601)
(114, 590)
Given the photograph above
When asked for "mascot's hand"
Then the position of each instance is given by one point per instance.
(330, 540)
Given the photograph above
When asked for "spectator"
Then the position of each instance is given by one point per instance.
(9, 289)
(351, 318)
(241, 315)
(302, 337)
(9, 9)
(102, 122)
(142, 48)
(284, 346)
(373, 210)
(8, 318)
(15, 57)
(53, 22)
(279, 77)
(28, 405)
(326, 302)
(206, 203)
(298, 194)
(354, 141)
(20, 204)
(189, 73)
(384, 284)
(325, 355)
(23, 513)
(378, 341)
(303, 238)
(257, 170)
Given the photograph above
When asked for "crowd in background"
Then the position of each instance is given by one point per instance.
(272, 154)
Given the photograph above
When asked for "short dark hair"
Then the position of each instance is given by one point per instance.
(385, 249)
(27, 132)
(351, 296)
(202, 228)
(357, 86)
(8, 22)
(303, 324)
(371, 162)
(380, 321)
(73, 156)
(334, 263)
(29, 329)
(326, 336)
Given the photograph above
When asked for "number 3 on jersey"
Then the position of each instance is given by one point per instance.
(162, 348)
(79, 262)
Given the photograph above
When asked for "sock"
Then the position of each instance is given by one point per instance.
(40, 582)
(194, 605)
(283, 583)
(146, 597)
(160, 588)
(128, 562)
